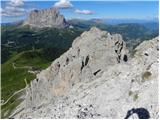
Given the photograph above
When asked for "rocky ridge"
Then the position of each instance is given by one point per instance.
(96, 78)
(46, 18)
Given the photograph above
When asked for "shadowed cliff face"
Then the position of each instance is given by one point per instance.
(46, 18)
(96, 78)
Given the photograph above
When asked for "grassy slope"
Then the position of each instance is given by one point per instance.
(7, 109)
(13, 79)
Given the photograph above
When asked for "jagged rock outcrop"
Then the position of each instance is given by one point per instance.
(46, 18)
(97, 78)
(89, 56)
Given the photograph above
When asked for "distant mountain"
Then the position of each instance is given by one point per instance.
(82, 24)
(133, 33)
(119, 21)
(12, 23)
(46, 18)
(152, 25)
(98, 21)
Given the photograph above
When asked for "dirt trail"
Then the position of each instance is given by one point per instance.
(24, 67)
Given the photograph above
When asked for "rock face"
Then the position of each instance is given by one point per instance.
(96, 78)
(46, 18)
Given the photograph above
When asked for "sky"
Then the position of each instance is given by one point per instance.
(16, 10)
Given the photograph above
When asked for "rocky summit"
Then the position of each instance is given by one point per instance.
(46, 18)
(96, 78)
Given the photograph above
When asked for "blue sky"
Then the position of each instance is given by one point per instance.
(88, 9)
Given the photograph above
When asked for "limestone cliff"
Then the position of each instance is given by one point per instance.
(46, 18)
(96, 78)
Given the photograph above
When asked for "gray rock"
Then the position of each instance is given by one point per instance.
(94, 79)
(93, 51)
(46, 18)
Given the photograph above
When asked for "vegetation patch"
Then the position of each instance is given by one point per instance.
(13, 102)
(146, 76)
(135, 97)
(130, 93)
(18, 39)
(133, 52)
(133, 94)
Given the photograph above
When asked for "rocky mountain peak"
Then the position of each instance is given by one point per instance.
(46, 18)
(90, 55)
(96, 78)
(95, 29)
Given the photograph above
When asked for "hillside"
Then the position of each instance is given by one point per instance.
(16, 39)
(20, 69)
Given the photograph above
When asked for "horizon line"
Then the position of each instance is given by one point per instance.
(145, 19)
(91, 0)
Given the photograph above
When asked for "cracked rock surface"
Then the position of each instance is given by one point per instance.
(96, 78)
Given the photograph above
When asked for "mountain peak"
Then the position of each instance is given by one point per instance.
(95, 78)
(46, 18)
(95, 29)
(90, 55)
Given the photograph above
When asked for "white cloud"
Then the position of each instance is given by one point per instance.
(1, 9)
(85, 12)
(13, 11)
(14, 8)
(63, 4)
(16, 3)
